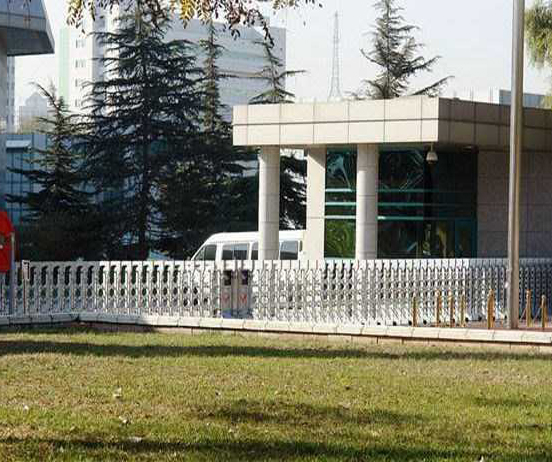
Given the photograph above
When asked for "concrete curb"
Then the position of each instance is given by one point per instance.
(348, 332)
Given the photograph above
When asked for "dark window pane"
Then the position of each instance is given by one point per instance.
(289, 250)
(401, 239)
(210, 253)
(240, 251)
(341, 210)
(255, 251)
(228, 252)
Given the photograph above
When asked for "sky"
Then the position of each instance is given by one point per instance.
(473, 38)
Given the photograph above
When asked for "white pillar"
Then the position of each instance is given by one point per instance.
(367, 202)
(269, 203)
(316, 203)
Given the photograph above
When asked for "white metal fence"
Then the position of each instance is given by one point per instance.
(368, 292)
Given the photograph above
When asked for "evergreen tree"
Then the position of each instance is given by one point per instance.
(395, 52)
(60, 222)
(143, 124)
(216, 162)
(293, 171)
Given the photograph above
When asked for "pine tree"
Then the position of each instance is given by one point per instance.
(293, 171)
(216, 163)
(60, 221)
(143, 124)
(222, 157)
(395, 52)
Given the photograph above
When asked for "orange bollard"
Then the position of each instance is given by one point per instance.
(491, 310)
(415, 312)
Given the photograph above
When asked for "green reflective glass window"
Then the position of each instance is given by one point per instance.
(340, 239)
(425, 211)
(340, 210)
(341, 169)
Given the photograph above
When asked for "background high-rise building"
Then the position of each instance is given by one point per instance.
(79, 56)
(21, 152)
(10, 113)
(35, 108)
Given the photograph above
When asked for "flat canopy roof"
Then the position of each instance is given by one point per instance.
(410, 120)
(26, 27)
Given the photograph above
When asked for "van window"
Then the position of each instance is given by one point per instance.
(228, 252)
(207, 253)
(210, 253)
(240, 251)
(289, 250)
(255, 251)
(235, 252)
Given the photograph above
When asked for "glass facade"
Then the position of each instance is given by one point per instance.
(20, 154)
(425, 210)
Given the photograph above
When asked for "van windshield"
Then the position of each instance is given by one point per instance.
(207, 253)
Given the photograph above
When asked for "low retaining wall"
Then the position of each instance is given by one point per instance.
(380, 334)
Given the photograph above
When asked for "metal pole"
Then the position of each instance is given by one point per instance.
(12, 274)
(516, 133)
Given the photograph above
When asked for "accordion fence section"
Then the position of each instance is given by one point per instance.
(382, 292)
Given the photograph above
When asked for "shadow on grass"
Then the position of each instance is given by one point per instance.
(405, 352)
(254, 449)
(290, 414)
(488, 401)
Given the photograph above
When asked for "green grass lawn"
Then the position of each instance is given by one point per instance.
(79, 395)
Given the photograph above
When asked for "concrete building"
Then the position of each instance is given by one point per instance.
(21, 152)
(499, 96)
(35, 107)
(80, 58)
(373, 190)
(23, 31)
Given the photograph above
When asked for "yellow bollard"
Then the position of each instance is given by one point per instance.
(528, 308)
(463, 311)
(415, 312)
(491, 310)
(439, 307)
(451, 309)
(544, 312)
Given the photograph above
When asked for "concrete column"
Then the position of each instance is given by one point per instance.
(269, 203)
(367, 202)
(3, 115)
(316, 203)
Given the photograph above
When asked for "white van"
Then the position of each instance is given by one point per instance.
(245, 246)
